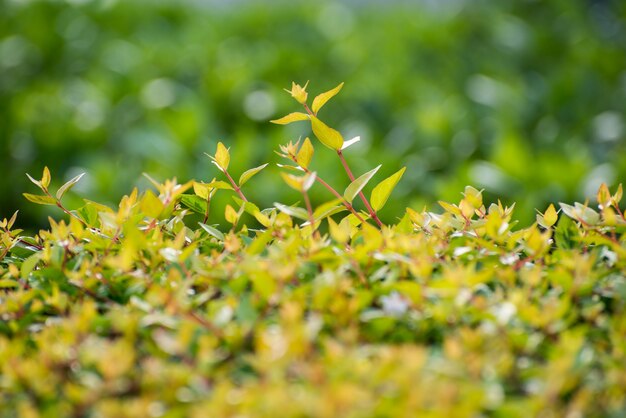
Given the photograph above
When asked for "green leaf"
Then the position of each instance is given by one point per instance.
(327, 135)
(383, 190)
(254, 210)
(40, 199)
(321, 99)
(248, 174)
(214, 232)
(194, 202)
(29, 265)
(357, 185)
(292, 117)
(67, 186)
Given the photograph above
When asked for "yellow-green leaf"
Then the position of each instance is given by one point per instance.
(381, 192)
(67, 186)
(292, 117)
(450, 208)
(201, 190)
(230, 214)
(550, 216)
(292, 181)
(357, 185)
(40, 199)
(248, 174)
(222, 156)
(45, 178)
(603, 196)
(327, 135)
(151, 205)
(321, 99)
(305, 154)
(340, 232)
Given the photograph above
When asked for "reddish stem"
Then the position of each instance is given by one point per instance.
(361, 195)
(237, 188)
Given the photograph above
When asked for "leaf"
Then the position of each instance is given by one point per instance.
(12, 220)
(222, 156)
(67, 186)
(292, 117)
(248, 174)
(383, 190)
(305, 154)
(293, 211)
(329, 208)
(321, 99)
(201, 190)
(231, 215)
(308, 180)
(29, 265)
(219, 184)
(474, 197)
(214, 232)
(339, 232)
(603, 196)
(195, 203)
(550, 216)
(151, 205)
(351, 142)
(45, 178)
(35, 182)
(327, 135)
(292, 181)
(357, 185)
(450, 208)
(40, 199)
(254, 210)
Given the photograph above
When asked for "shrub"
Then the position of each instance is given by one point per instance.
(311, 311)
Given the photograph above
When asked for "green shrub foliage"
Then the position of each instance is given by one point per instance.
(150, 309)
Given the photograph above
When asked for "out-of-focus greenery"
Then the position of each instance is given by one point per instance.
(141, 312)
(523, 98)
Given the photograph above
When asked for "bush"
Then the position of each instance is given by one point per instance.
(151, 310)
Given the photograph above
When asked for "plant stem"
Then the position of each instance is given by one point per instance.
(237, 188)
(361, 195)
(347, 168)
(333, 191)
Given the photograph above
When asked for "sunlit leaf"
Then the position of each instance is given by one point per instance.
(222, 157)
(383, 190)
(40, 199)
(305, 154)
(327, 135)
(321, 99)
(45, 178)
(293, 211)
(290, 118)
(357, 185)
(248, 174)
(67, 186)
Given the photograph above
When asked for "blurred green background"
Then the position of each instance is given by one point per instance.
(523, 98)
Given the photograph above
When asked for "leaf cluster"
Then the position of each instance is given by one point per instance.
(141, 310)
